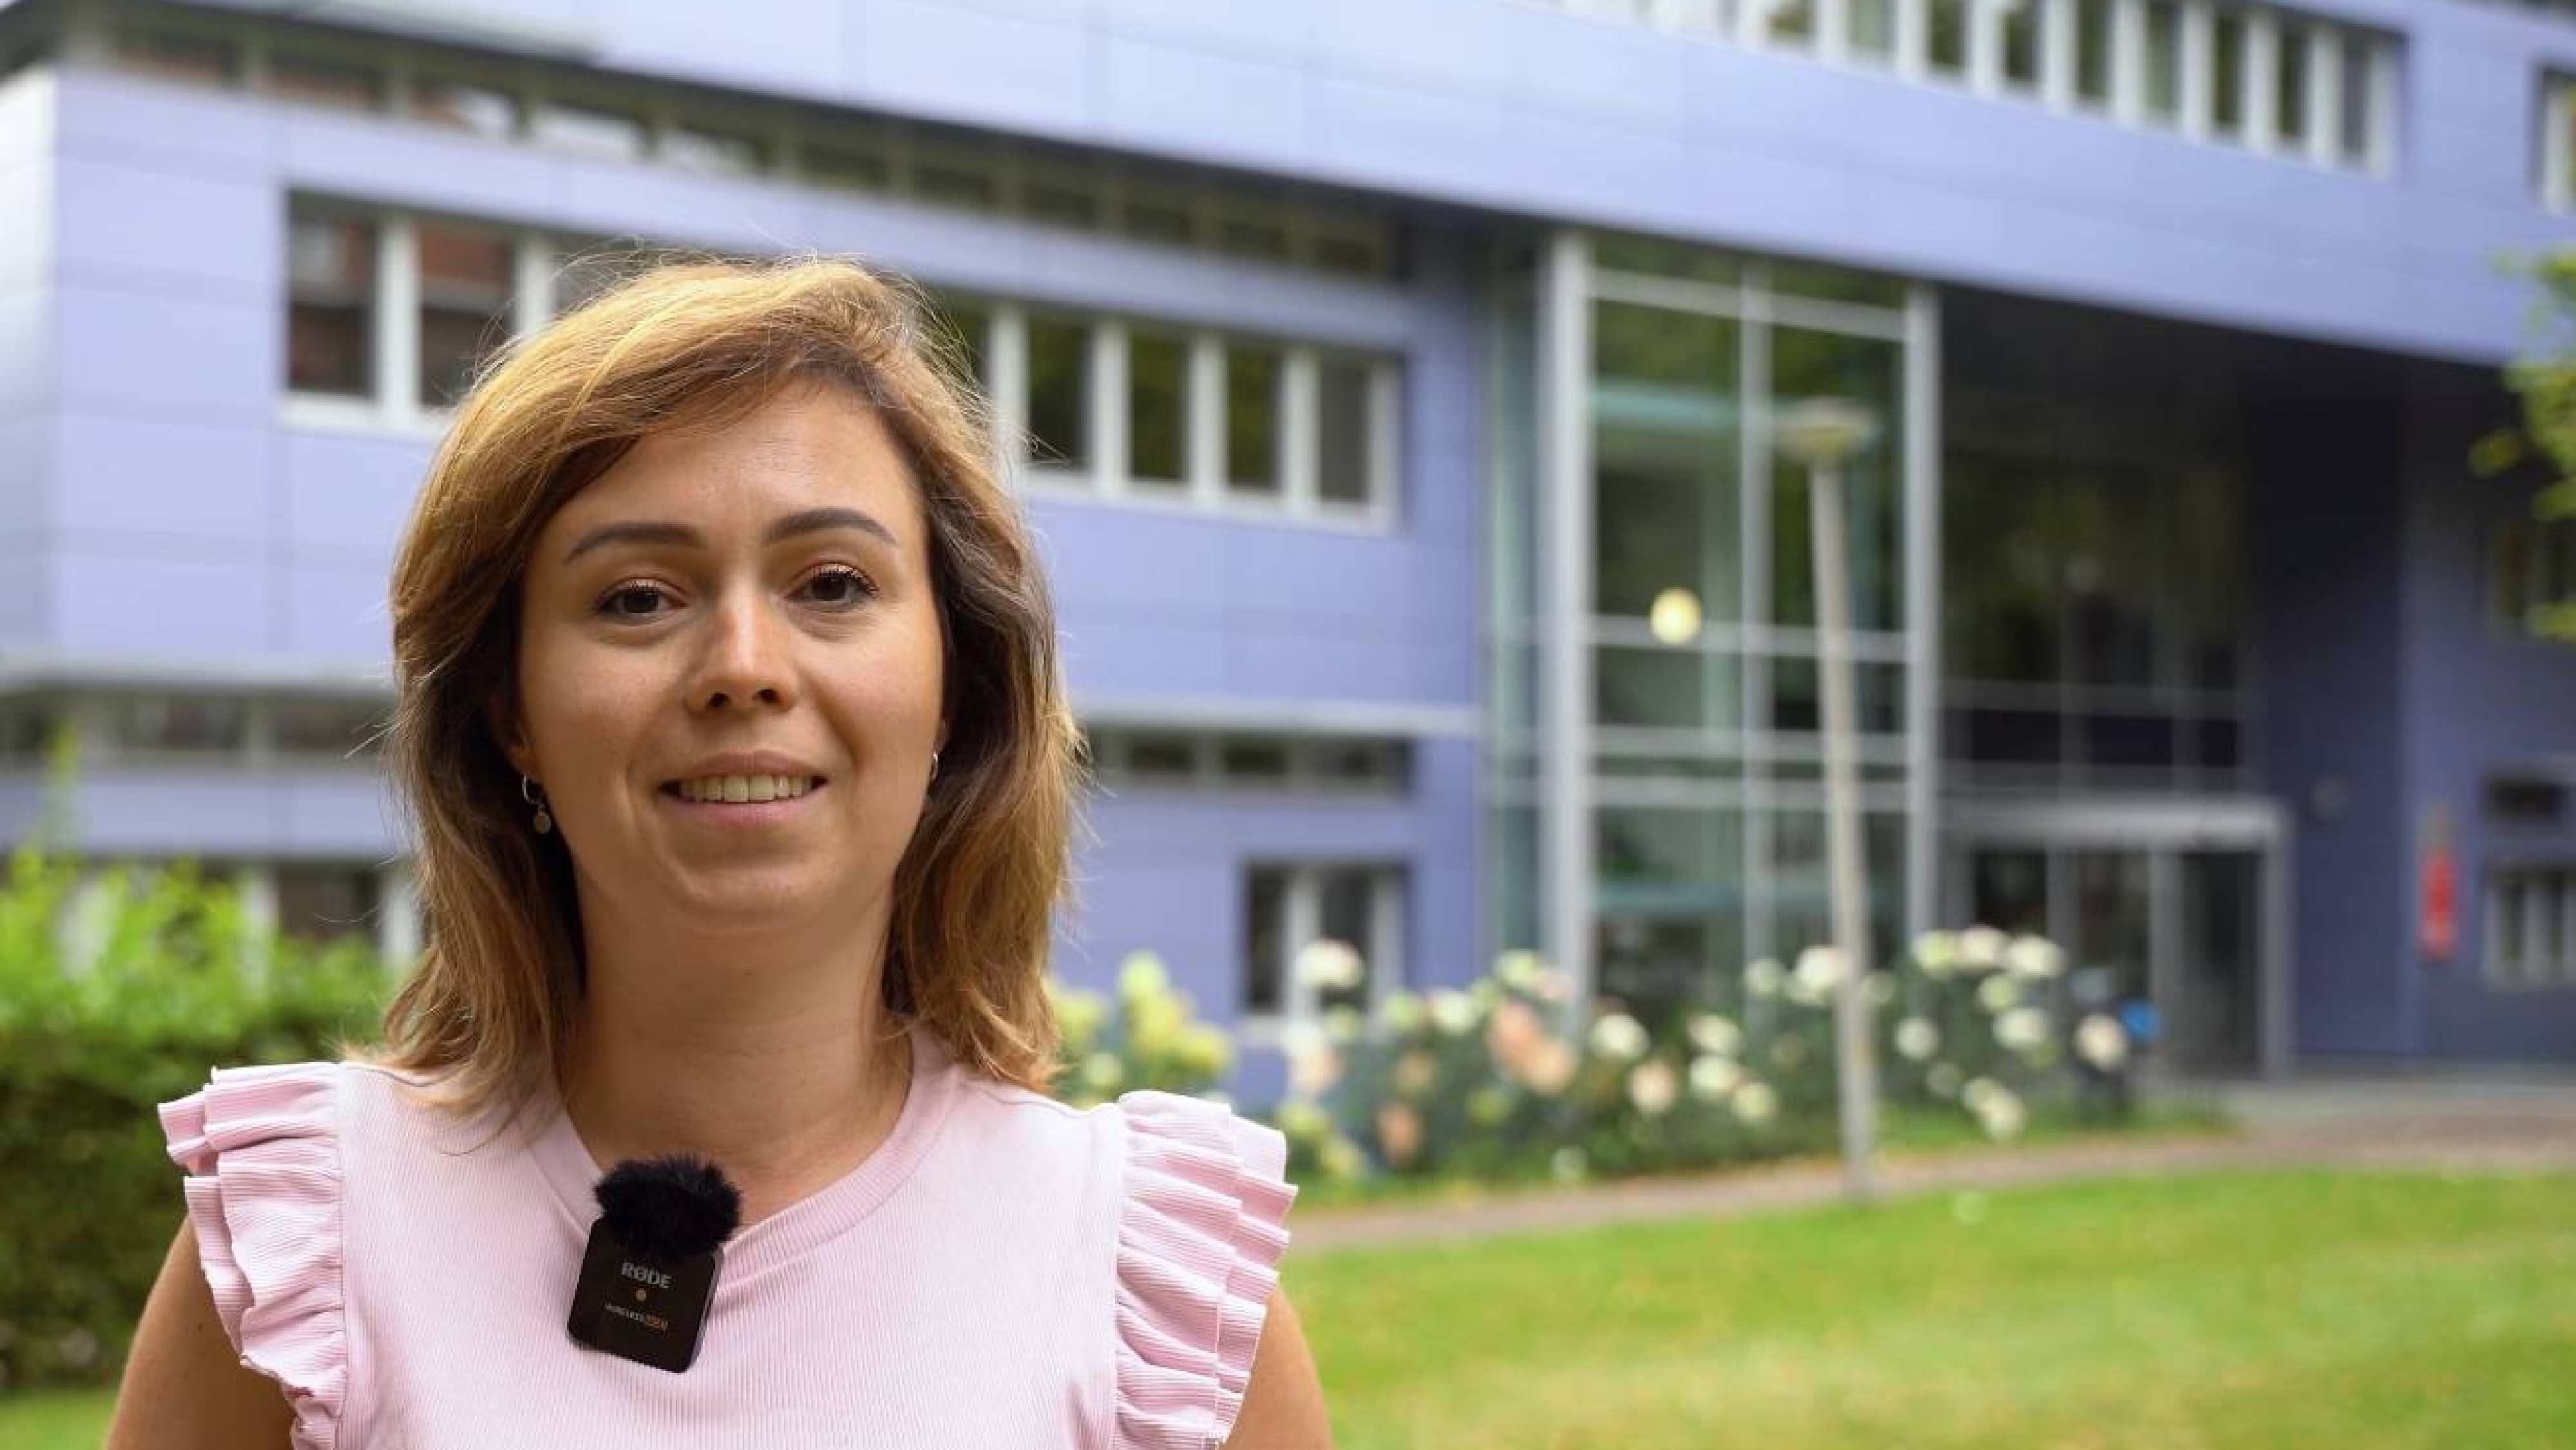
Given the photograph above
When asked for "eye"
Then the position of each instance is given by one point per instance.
(838, 586)
(634, 599)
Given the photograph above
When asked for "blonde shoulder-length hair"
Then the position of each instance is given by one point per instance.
(491, 1002)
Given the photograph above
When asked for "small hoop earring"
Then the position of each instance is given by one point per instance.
(545, 820)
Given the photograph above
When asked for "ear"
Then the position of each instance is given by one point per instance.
(508, 732)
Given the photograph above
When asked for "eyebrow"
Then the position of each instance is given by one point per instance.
(808, 521)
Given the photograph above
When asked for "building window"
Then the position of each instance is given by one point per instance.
(162, 726)
(587, 130)
(1253, 377)
(722, 153)
(462, 106)
(321, 80)
(320, 903)
(328, 729)
(179, 55)
(331, 305)
(1156, 759)
(1059, 403)
(2275, 81)
(1288, 908)
(2557, 148)
(465, 277)
(2531, 926)
(2531, 576)
(1158, 369)
(27, 729)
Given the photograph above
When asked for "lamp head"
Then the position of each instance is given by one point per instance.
(1825, 432)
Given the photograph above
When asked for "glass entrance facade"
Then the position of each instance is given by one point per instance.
(1683, 617)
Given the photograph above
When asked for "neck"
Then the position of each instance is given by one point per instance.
(771, 1053)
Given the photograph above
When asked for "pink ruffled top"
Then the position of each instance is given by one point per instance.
(1002, 1270)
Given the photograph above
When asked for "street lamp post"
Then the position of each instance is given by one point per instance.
(1822, 435)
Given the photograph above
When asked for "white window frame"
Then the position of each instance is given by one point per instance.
(2539, 892)
(2557, 149)
(1302, 909)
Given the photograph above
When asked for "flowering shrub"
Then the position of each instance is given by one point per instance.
(1143, 1036)
(1493, 1082)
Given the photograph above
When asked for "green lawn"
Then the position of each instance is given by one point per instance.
(2361, 1312)
(2214, 1312)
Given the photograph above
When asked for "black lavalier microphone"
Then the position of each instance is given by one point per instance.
(651, 1266)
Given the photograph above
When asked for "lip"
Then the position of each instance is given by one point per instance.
(759, 762)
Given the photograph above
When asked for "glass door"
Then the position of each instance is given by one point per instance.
(2218, 1002)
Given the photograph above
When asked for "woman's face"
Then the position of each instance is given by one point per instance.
(730, 669)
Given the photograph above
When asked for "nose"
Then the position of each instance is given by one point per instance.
(746, 660)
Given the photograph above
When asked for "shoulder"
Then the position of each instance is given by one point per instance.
(1202, 1223)
(260, 1147)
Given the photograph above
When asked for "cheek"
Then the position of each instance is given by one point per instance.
(582, 704)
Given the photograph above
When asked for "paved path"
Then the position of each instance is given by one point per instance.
(2464, 1125)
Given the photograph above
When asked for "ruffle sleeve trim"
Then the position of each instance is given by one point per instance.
(262, 1152)
(1201, 1227)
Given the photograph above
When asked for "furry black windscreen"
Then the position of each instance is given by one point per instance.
(669, 1208)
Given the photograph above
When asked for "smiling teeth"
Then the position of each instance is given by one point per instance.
(739, 789)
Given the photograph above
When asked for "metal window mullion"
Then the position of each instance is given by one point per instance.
(1386, 397)
(1301, 923)
(2129, 62)
(1387, 971)
(1296, 460)
(1833, 29)
(1565, 481)
(397, 352)
(1206, 438)
(1008, 360)
(2555, 114)
(1913, 47)
(1986, 46)
(2258, 81)
(532, 283)
(2536, 909)
(2325, 93)
(1922, 494)
(2198, 45)
(1106, 401)
(2381, 157)
(2057, 53)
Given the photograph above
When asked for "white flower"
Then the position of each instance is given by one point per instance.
(2021, 1029)
(1301, 1119)
(1617, 1035)
(1756, 1103)
(1567, 1164)
(1102, 1072)
(1978, 1092)
(1917, 1039)
(1518, 969)
(1400, 1012)
(1328, 965)
(1300, 1038)
(1342, 1024)
(1142, 974)
(1711, 1033)
(2035, 958)
(2102, 1042)
(1653, 1086)
(1822, 969)
(1453, 1012)
(1936, 952)
(1762, 978)
(2002, 1115)
(1999, 994)
(1943, 1079)
(1879, 988)
(1341, 1158)
(1713, 1078)
(1549, 984)
(1981, 949)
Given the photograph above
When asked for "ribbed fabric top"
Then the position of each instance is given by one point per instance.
(1002, 1271)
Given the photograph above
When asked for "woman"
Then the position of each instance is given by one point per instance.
(731, 722)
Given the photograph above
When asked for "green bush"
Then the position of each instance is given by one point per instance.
(170, 977)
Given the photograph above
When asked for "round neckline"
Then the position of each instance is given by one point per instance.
(809, 1222)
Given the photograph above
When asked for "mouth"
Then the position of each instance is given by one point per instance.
(742, 790)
